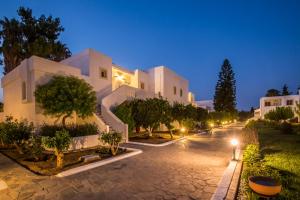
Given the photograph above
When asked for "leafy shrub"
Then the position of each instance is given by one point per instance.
(249, 136)
(60, 142)
(286, 128)
(280, 113)
(36, 147)
(251, 154)
(261, 124)
(124, 113)
(15, 132)
(113, 139)
(74, 130)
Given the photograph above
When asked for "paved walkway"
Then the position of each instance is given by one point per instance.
(189, 169)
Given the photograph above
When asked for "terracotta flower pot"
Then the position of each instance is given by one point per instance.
(264, 185)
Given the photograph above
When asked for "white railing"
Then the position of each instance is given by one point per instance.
(117, 97)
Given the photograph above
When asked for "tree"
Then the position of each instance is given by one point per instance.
(153, 111)
(225, 92)
(60, 142)
(280, 113)
(285, 90)
(64, 95)
(124, 113)
(167, 118)
(272, 93)
(27, 36)
(178, 112)
(113, 139)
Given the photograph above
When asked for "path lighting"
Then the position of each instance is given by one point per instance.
(211, 125)
(234, 143)
(182, 129)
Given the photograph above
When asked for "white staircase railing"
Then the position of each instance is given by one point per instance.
(117, 97)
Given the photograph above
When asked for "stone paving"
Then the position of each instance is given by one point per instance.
(188, 169)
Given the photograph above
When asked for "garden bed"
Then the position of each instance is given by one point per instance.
(157, 138)
(278, 156)
(47, 165)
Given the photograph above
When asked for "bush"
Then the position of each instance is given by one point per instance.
(280, 113)
(249, 136)
(73, 129)
(36, 147)
(16, 133)
(286, 128)
(60, 142)
(113, 139)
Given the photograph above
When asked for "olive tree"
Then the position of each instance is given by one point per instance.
(113, 139)
(64, 95)
(60, 142)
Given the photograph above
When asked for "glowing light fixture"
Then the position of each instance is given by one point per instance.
(119, 77)
(234, 142)
(182, 129)
(211, 124)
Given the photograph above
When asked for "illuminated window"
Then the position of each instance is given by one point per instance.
(142, 85)
(174, 90)
(103, 73)
(289, 102)
(181, 92)
(24, 96)
(267, 103)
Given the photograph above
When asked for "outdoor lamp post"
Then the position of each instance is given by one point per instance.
(234, 143)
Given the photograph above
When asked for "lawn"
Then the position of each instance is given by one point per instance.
(282, 151)
(47, 165)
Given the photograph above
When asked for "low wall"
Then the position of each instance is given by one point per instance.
(85, 142)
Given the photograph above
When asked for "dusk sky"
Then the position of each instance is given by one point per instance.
(260, 38)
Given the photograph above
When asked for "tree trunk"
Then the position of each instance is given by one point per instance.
(149, 131)
(19, 149)
(171, 134)
(59, 159)
(64, 120)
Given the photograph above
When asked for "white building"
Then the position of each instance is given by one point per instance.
(206, 104)
(113, 84)
(270, 103)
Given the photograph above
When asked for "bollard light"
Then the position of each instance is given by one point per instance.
(234, 142)
(182, 129)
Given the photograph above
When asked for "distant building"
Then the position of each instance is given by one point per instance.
(206, 104)
(270, 103)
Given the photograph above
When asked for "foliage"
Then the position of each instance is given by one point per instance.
(124, 113)
(272, 93)
(225, 92)
(286, 128)
(280, 113)
(285, 90)
(60, 142)
(249, 136)
(202, 114)
(218, 117)
(297, 110)
(113, 139)
(178, 112)
(244, 115)
(74, 130)
(16, 132)
(27, 36)
(36, 146)
(64, 95)
(153, 111)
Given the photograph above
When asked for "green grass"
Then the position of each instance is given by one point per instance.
(282, 152)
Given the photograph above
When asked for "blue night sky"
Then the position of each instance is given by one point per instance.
(260, 38)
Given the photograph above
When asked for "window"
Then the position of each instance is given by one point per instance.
(174, 90)
(289, 102)
(103, 73)
(159, 94)
(142, 85)
(267, 103)
(181, 92)
(24, 96)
